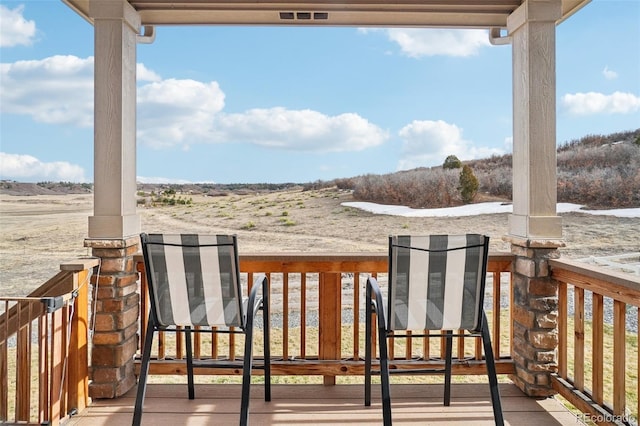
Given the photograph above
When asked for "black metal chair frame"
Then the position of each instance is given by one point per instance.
(251, 306)
(374, 304)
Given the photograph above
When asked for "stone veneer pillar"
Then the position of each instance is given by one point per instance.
(535, 315)
(116, 317)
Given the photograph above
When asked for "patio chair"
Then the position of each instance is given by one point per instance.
(435, 283)
(194, 286)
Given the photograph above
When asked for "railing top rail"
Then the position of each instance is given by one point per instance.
(332, 262)
(314, 256)
(313, 262)
(80, 264)
(19, 299)
(614, 257)
(614, 284)
(615, 277)
(331, 256)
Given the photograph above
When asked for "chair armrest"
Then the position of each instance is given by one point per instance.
(260, 283)
(377, 302)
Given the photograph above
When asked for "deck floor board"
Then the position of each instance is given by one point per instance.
(167, 404)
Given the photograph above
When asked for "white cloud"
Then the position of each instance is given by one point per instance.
(417, 43)
(172, 112)
(428, 143)
(508, 143)
(302, 130)
(183, 112)
(59, 90)
(29, 168)
(609, 74)
(145, 74)
(599, 103)
(15, 30)
(56, 90)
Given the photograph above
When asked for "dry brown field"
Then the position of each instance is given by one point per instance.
(39, 232)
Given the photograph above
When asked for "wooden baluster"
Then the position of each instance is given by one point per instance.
(578, 366)
(23, 365)
(426, 346)
(285, 315)
(197, 342)
(597, 348)
(562, 330)
(495, 339)
(215, 344)
(63, 389)
(619, 357)
(460, 345)
(43, 365)
(232, 344)
(56, 340)
(330, 313)
(303, 315)
(356, 316)
(179, 347)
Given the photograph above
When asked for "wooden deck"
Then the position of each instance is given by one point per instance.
(167, 404)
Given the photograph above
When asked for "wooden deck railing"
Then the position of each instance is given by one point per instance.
(317, 306)
(317, 302)
(594, 335)
(44, 349)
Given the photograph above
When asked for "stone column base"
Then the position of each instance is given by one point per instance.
(535, 315)
(115, 339)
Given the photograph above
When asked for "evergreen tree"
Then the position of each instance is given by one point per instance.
(468, 184)
(452, 162)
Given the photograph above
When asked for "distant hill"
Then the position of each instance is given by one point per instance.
(44, 188)
(600, 171)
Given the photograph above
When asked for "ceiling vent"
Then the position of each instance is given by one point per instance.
(304, 16)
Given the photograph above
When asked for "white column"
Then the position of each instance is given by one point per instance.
(532, 28)
(116, 25)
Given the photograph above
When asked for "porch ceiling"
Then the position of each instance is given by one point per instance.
(416, 13)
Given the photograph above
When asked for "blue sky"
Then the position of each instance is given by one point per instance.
(291, 104)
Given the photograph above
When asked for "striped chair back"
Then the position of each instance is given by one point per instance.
(436, 282)
(194, 280)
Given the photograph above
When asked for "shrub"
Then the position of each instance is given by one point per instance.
(419, 188)
(468, 185)
(285, 221)
(452, 162)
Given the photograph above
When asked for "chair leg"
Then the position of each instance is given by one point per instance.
(246, 378)
(267, 341)
(491, 373)
(367, 350)
(246, 368)
(382, 344)
(384, 375)
(190, 385)
(447, 368)
(144, 372)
